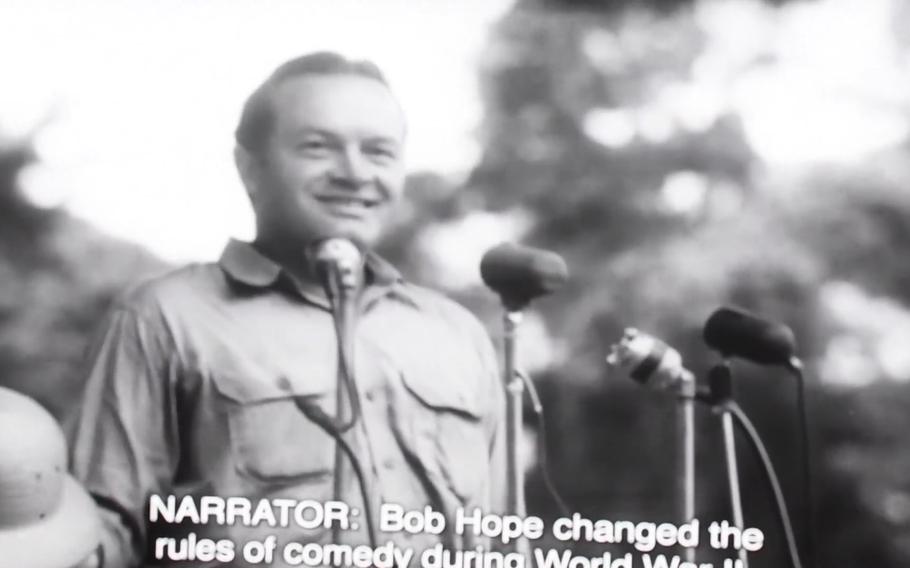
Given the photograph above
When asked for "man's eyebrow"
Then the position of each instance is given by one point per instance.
(382, 140)
(306, 130)
(370, 139)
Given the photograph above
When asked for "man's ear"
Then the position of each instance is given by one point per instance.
(250, 169)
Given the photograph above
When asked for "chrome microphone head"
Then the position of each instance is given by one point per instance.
(649, 361)
(342, 257)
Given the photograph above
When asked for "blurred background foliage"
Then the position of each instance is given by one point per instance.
(595, 145)
(664, 213)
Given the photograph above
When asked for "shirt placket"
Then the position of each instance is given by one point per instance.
(395, 470)
(370, 438)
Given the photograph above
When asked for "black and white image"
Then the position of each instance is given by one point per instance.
(455, 284)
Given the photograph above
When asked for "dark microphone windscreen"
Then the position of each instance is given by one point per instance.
(738, 333)
(519, 274)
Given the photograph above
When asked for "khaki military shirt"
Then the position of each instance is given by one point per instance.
(191, 388)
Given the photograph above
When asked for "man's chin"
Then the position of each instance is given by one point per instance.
(361, 232)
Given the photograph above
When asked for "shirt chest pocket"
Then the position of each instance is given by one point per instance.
(446, 426)
(271, 439)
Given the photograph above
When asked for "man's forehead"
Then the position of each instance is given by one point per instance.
(338, 101)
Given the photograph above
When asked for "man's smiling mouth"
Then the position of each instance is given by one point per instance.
(348, 201)
(351, 207)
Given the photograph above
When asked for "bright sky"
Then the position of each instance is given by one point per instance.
(830, 85)
(144, 97)
(842, 86)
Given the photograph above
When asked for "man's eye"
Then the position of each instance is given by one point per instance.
(312, 145)
(381, 152)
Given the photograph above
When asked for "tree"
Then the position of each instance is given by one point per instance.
(58, 274)
(661, 220)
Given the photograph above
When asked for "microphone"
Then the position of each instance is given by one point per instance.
(339, 265)
(339, 262)
(738, 333)
(649, 361)
(335, 257)
(519, 274)
(655, 364)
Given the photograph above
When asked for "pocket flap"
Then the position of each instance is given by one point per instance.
(247, 385)
(271, 438)
(447, 389)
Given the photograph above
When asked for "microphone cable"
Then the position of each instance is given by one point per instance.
(795, 367)
(544, 466)
(345, 364)
(312, 411)
(340, 307)
(746, 426)
(340, 288)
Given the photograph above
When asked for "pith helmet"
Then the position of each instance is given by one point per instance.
(47, 520)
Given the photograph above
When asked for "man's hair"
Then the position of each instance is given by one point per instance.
(258, 116)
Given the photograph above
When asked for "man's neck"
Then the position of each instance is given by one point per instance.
(297, 261)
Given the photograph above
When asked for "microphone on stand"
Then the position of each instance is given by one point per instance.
(518, 274)
(650, 362)
(656, 365)
(340, 266)
(737, 333)
(334, 259)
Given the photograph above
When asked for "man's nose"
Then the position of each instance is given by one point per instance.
(351, 169)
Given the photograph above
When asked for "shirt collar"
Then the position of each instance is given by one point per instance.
(243, 263)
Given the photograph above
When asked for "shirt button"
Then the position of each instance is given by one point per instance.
(388, 463)
(370, 395)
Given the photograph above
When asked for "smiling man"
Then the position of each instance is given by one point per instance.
(316, 144)
(195, 381)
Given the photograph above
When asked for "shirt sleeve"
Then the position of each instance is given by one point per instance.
(123, 440)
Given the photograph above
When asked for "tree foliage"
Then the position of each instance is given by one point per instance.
(764, 242)
(57, 274)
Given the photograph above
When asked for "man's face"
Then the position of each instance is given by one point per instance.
(333, 160)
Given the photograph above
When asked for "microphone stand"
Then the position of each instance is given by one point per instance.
(518, 275)
(341, 282)
(721, 381)
(653, 363)
(515, 496)
(686, 420)
(342, 299)
(795, 367)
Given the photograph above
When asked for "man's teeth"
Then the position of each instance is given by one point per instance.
(348, 201)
